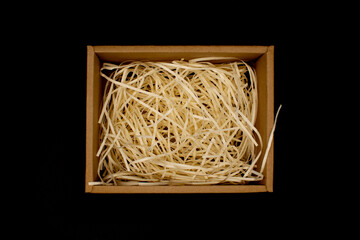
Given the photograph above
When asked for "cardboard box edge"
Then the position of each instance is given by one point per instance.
(179, 189)
(179, 48)
(271, 80)
(89, 112)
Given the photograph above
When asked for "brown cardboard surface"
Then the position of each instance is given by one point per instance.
(263, 61)
(269, 170)
(180, 189)
(165, 53)
(265, 72)
(89, 176)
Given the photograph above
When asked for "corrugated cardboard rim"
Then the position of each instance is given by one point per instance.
(180, 189)
(89, 119)
(93, 50)
(180, 48)
(269, 171)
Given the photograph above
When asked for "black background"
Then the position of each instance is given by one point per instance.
(300, 202)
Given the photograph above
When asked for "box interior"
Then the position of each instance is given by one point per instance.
(260, 57)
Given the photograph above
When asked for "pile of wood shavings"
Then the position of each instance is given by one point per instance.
(180, 122)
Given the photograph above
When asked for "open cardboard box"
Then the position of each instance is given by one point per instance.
(260, 57)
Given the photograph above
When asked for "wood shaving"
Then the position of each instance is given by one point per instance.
(180, 122)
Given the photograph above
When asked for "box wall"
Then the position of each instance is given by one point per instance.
(116, 54)
(180, 189)
(269, 170)
(265, 73)
(93, 95)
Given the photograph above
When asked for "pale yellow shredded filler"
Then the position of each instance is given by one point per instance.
(179, 122)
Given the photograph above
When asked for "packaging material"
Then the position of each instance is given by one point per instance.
(260, 57)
